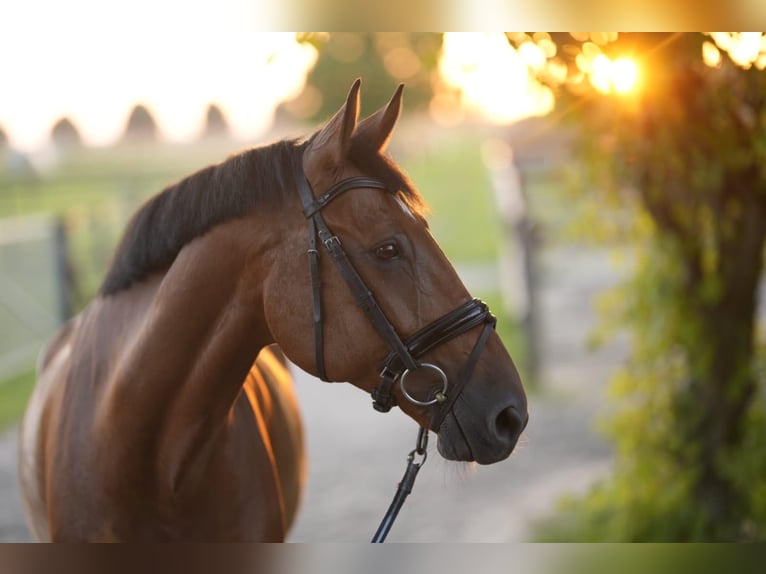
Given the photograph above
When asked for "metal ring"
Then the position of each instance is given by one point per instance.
(433, 401)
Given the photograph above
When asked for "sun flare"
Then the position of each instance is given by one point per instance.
(624, 72)
(613, 76)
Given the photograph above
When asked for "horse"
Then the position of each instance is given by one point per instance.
(165, 411)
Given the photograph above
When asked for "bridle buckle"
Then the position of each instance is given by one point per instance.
(387, 373)
(332, 242)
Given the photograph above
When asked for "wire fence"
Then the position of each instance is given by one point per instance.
(36, 288)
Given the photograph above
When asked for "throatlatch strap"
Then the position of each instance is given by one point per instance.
(316, 295)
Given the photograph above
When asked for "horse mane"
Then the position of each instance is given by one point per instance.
(259, 178)
(187, 209)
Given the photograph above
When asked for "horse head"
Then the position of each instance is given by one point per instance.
(361, 292)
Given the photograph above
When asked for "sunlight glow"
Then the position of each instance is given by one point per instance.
(492, 78)
(94, 71)
(624, 75)
(711, 55)
(611, 76)
(601, 73)
(744, 48)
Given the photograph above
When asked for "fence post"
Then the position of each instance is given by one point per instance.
(518, 258)
(527, 234)
(63, 271)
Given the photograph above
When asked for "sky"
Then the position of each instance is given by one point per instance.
(96, 78)
(93, 61)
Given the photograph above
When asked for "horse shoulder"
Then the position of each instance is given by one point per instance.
(37, 423)
(279, 407)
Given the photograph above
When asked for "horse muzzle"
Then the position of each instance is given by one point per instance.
(462, 440)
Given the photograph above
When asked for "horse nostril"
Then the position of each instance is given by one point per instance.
(509, 424)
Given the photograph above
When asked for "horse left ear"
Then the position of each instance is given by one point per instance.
(378, 127)
(331, 144)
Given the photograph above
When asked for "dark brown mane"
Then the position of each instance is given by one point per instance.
(183, 211)
(255, 179)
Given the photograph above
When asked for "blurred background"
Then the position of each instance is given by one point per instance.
(604, 192)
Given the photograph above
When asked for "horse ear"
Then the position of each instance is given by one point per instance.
(331, 144)
(378, 127)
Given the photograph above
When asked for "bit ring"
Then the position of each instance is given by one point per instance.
(441, 395)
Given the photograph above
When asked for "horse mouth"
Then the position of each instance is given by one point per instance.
(458, 445)
(452, 443)
(461, 443)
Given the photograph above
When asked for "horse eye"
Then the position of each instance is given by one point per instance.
(387, 251)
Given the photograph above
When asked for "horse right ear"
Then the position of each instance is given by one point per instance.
(330, 146)
(377, 128)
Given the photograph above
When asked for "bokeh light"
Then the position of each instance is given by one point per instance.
(492, 77)
(746, 49)
(624, 73)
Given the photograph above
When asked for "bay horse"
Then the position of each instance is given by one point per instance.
(164, 411)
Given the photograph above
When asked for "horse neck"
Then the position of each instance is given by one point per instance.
(195, 345)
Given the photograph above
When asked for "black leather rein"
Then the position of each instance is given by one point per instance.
(404, 355)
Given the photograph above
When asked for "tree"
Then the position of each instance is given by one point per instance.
(215, 122)
(687, 155)
(141, 125)
(65, 134)
(382, 59)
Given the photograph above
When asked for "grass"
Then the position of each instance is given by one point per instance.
(455, 184)
(14, 395)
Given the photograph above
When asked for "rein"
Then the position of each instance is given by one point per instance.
(404, 354)
(405, 486)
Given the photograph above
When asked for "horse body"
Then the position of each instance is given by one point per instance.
(165, 410)
(142, 446)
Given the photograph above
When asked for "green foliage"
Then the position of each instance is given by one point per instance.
(745, 466)
(14, 394)
(654, 422)
(688, 407)
(467, 229)
(382, 60)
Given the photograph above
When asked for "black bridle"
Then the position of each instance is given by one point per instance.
(404, 355)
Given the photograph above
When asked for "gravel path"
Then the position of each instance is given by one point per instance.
(357, 458)
(12, 525)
